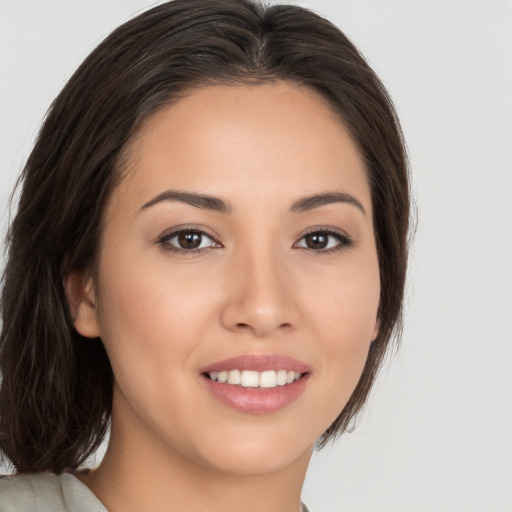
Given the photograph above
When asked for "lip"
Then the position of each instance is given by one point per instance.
(258, 363)
(256, 400)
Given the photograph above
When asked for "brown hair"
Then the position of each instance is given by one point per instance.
(56, 394)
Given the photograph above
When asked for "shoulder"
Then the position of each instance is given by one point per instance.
(46, 492)
(21, 492)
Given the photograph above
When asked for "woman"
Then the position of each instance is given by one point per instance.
(208, 259)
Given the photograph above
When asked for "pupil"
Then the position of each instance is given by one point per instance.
(189, 240)
(316, 241)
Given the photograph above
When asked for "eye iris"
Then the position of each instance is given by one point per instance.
(189, 240)
(317, 240)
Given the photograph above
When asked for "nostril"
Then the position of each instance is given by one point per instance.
(283, 327)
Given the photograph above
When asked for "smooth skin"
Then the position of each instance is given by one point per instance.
(260, 284)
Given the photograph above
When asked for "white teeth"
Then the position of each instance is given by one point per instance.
(268, 379)
(249, 379)
(281, 377)
(234, 377)
(252, 379)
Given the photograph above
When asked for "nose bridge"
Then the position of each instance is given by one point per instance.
(261, 297)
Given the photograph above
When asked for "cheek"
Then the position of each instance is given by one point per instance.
(150, 314)
(152, 323)
(346, 317)
(346, 300)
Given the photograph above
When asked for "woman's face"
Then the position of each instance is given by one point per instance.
(242, 229)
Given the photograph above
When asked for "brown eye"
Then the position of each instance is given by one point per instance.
(316, 240)
(325, 241)
(187, 241)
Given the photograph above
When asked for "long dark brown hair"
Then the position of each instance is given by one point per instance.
(56, 394)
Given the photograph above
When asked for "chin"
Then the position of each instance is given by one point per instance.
(257, 464)
(264, 452)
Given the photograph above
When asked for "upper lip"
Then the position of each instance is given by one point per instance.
(258, 363)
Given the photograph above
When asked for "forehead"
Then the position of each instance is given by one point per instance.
(252, 139)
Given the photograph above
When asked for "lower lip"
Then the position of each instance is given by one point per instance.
(256, 400)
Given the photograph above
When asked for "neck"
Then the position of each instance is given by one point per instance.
(138, 474)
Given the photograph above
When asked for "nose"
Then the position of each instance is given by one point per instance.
(260, 296)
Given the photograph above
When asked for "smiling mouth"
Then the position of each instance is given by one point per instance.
(256, 383)
(253, 379)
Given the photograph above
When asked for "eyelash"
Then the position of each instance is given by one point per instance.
(344, 241)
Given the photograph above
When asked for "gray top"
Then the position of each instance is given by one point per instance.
(46, 492)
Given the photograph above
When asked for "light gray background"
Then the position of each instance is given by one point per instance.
(437, 433)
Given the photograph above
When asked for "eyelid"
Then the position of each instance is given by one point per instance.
(164, 238)
(345, 241)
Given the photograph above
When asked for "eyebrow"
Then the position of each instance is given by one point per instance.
(309, 203)
(202, 201)
(216, 204)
